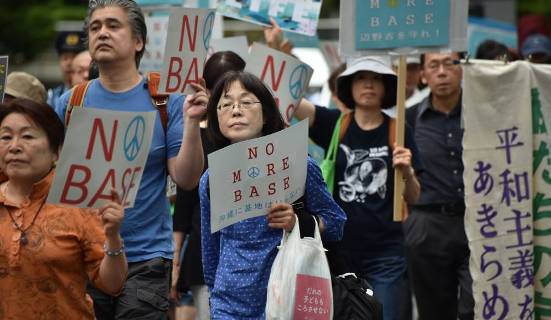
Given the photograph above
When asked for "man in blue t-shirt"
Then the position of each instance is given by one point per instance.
(117, 34)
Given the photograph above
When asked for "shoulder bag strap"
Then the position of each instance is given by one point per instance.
(76, 99)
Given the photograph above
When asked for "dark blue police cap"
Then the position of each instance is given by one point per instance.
(70, 41)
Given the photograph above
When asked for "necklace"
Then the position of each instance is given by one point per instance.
(23, 240)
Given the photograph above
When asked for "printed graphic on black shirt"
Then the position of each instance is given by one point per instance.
(365, 174)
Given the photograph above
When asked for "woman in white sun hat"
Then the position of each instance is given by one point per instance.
(372, 244)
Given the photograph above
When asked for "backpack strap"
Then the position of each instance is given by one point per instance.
(345, 123)
(392, 132)
(76, 99)
(160, 101)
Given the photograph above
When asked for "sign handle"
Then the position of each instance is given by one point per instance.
(400, 128)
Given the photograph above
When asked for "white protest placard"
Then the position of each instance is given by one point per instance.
(247, 178)
(377, 27)
(237, 44)
(287, 77)
(3, 75)
(189, 33)
(104, 150)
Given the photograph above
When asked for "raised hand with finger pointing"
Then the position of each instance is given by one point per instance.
(195, 105)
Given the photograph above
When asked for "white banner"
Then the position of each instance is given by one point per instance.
(247, 178)
(541, 117)
(104, 150)
(508, 237)
(189, 33)
(287, 77)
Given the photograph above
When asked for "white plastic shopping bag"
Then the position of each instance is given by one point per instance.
(300, 282)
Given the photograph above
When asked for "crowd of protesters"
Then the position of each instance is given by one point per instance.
(59, 262)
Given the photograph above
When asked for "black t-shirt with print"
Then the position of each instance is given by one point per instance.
(364, 183)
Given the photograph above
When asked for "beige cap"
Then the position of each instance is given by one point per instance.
(24, 85)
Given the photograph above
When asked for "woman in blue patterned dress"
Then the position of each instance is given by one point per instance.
(237, 259)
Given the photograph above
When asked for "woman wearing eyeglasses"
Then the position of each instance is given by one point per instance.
(237, 259)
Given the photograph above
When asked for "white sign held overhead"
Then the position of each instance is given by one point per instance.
(286, 76)
(379, 27)
(189, 33)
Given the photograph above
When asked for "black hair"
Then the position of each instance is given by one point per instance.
(273, 122)
(42, 115)
(135, 18)
(461, 55)
(389, 98)
(491, 50)
(218, 64)
(332, 81)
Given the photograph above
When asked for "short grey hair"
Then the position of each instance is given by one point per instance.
(134, 14)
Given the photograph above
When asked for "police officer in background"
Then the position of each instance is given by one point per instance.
(68, 44)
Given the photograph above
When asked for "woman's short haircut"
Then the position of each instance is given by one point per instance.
(218, 64)
(42, 115)
(273, 121)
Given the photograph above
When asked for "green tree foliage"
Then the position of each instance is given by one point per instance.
(534, 6)
(27, 26)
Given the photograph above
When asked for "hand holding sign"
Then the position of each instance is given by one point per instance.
(112, 215)
(401, 159)
(282, 216)
(275, 39)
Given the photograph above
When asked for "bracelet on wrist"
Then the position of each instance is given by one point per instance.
(114, 253)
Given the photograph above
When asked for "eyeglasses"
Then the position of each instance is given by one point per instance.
(446, 64)
(227, 106)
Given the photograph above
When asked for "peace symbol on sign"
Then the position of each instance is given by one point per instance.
(298, 81)
(133, 138)
(253, 172)
(207, 29)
